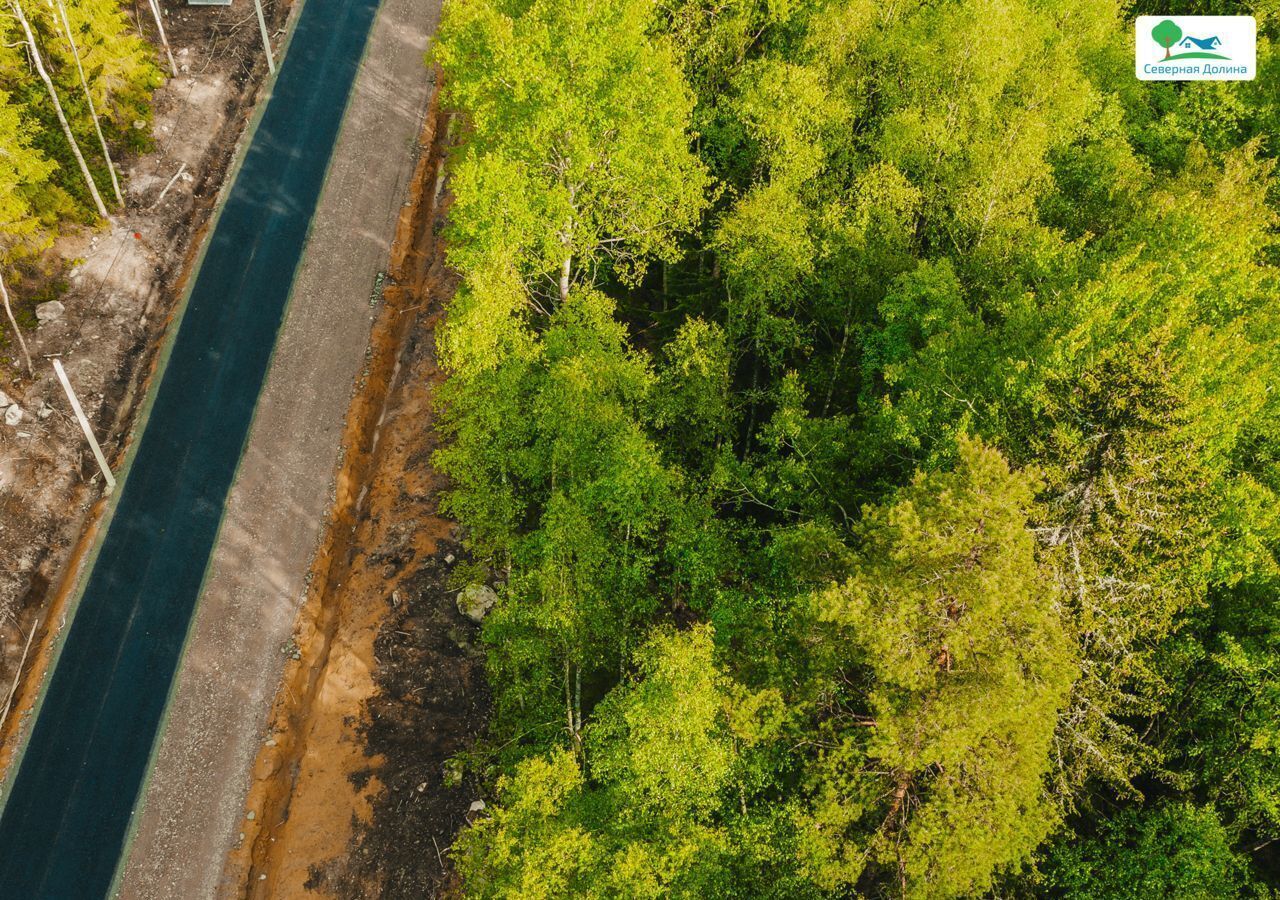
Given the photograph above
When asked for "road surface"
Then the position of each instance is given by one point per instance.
(194, 805)
(67, 810)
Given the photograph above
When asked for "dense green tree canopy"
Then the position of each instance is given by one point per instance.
(22, 172)
(575, 148)
(915, 365)
(1172, 850)
(955, 640)
(665, 754)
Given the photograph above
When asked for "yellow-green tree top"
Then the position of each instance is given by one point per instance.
(23, 170)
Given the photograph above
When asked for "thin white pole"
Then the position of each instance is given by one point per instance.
(172, 181)
(266, 41)
(84, 426)
(155, 11)
(17, 673)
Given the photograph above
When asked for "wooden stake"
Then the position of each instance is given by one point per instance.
(13, 323)
(266, 41)
(84, 426)
(17, 673)
(155, 11)
(172, 181)
(88, 96)
(38, 61)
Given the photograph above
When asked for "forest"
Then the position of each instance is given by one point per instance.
(75, 88)
(869, 412)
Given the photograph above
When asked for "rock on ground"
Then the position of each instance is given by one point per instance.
(475, 601)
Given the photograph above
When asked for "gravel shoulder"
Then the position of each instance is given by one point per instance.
(191, 813)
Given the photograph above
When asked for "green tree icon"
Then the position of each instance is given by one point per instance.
(1166, 34)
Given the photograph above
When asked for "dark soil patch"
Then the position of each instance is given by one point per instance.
(432, 704)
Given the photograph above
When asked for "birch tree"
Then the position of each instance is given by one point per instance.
(37, 60)
(593, 156)
(88, 96)
(13, 323)
(164, 40)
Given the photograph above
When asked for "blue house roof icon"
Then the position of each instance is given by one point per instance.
(1209, 43)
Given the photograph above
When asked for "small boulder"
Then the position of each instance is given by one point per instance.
(5, 400)
(475, 601)
(13, 415)
(51, 311)
(477, 806)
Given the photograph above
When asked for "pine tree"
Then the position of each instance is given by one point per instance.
(935, 769)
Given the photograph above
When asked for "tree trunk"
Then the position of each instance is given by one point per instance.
(751, 417)
(88, 96)
(899, 797)
(577, 700)
(568, 699)
(13, 323)
(565, 270)
(835, 368)
(570, 708)
(17, 673)
(38, 62)
(155, 11)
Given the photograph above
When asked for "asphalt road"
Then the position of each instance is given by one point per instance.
(68, 808)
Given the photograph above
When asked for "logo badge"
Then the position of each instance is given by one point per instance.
(1196, 48)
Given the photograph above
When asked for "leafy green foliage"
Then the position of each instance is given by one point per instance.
(22, 172)
(594, 482)
(121, 75)
(916, 365)
(1225, 744)
(955, 641)
(654, 817)
(581, 161)
(1173, 850)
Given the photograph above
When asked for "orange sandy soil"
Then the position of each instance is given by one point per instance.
(315, 785)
